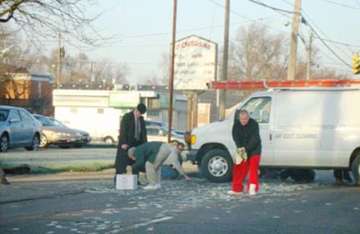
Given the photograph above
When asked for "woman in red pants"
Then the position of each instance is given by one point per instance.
(246, 136)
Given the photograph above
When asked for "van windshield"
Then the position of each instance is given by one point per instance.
(259, 109)
(3, 115)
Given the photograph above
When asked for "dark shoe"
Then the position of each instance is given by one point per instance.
(4, 181)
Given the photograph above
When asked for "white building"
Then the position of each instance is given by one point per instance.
(99, 111)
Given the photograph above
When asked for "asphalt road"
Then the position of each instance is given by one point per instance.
(179, 207)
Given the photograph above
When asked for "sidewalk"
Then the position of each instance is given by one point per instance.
(69, 176)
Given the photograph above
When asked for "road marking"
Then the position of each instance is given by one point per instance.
(138, 225)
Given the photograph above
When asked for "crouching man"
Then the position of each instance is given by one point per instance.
(151, 155)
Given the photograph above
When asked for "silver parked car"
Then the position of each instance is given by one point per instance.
(18, 128)
(56, 133)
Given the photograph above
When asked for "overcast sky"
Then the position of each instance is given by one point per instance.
(141, 29)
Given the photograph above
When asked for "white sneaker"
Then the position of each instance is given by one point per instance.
(252, 189)
(152, 187)
(233, 193)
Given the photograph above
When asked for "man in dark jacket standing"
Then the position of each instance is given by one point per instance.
(246, 136)
(132, 133)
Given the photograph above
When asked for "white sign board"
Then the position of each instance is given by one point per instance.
(195, 63)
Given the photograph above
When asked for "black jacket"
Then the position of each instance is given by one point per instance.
(127, 131)
(247, 136)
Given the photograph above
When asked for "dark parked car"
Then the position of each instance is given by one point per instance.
(158, 131)
(18, 128)
(56, 133)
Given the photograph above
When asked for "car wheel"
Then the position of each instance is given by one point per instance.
(43, 141)
(34, 144)
(4, 143)
(216, 166)
(355, 167)
(109, 140)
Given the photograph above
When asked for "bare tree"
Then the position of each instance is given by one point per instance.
(152, 80)
(164, 69)
(258, 54)
(39, 18)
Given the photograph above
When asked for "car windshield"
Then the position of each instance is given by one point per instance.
(57, 123)
(3, 115)
(45, 121)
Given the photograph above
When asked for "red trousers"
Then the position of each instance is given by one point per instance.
(240, 172)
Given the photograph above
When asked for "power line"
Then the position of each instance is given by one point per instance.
(232, 11)
(342, 4)
(272, 7)
(247, 18)
(237, 13)
(306, 23)
(340, 43)
(327, 46)
(324, 37)
(288, 3)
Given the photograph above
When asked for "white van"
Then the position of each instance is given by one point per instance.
(315, 128)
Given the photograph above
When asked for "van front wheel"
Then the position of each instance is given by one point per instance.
(355, 167)
(216, 166)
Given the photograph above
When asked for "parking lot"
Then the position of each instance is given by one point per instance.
(178, 207)
(197, 206)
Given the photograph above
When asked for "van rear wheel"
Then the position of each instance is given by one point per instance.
(216, 166)
(355, 167)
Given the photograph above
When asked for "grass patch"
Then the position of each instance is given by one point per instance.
(52, 169)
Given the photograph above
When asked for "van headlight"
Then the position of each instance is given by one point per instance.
(193, 139)
(190, 138)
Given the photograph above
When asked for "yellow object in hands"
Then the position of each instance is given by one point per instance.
(240, 155)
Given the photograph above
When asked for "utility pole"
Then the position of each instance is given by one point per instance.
(59, 66)
(172, 67)
(58, 62)
(294, 36)
(224, 72)
(93, 80)
(309, 58)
